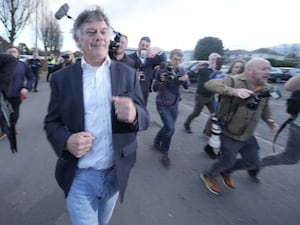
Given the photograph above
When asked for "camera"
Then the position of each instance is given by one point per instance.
(139, 67)
(65, 56)
(114, 44)
(219, 63)
(138, 64)
(171, 72)
(254, 99)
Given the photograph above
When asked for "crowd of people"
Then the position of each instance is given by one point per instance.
(93, 131)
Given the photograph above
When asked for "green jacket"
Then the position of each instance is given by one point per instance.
(238, 121)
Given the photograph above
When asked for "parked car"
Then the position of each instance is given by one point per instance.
(275, 75)
(288, 72)
(188, 65)
(25, 58)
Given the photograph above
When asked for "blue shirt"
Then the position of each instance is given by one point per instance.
(97, 115)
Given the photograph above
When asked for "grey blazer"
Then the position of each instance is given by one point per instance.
(65, 116)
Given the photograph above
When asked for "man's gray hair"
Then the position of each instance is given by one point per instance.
(93, 14)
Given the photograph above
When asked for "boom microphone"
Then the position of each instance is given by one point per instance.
(62, 11)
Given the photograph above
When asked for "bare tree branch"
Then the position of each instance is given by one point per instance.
(50, 32)
(14, 15)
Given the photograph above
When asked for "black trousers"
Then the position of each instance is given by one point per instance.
(15, 103)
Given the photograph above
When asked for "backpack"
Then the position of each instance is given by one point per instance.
(293, 103)
(292, 108)
(6, 124)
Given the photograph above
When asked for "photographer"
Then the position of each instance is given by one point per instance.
(118, 53)
(146, 60)
(51, 66)
(65, 59)
(167, 82)
(35, 65)
(239, 114)
(203, 97)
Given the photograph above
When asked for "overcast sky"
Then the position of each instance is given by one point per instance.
(181, 23)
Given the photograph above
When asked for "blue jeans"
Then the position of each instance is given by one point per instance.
(291, 153)
(168, 115)
(228, 162)
(93, 196)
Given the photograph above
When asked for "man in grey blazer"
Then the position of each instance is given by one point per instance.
(95, 110)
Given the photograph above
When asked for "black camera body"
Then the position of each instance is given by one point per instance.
(254, 99)
(171, 72)
(139, 67)
(138, 64)
(219, 63)
(114, 44)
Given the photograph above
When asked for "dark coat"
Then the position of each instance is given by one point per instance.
(22, 78)
(66, 116)
(7, 67)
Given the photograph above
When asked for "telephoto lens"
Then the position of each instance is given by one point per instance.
(212, 149)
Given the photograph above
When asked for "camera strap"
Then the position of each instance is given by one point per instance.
(288, 120)
(232, 84)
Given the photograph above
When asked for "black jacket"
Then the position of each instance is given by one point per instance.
(7, 67)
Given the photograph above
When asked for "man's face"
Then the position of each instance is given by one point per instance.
(237, 68)
(175, 61)
(94, 40)
(123, 45)
(261, 72)
(13, 51)
(143, 45)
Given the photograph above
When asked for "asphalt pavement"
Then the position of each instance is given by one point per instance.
(156, 195)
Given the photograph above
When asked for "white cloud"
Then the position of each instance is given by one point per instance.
(180, 24)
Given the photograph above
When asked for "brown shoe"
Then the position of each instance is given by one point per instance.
(227, 181)
(211, 184)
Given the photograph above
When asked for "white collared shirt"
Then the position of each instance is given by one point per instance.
(97, 115)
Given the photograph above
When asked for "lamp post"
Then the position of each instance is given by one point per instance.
(36, 27)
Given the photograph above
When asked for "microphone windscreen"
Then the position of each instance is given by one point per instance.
(62, 11)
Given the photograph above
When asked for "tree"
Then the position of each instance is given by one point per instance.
(207, 45)
(14, 14)
(51, 34)
(24, 49)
